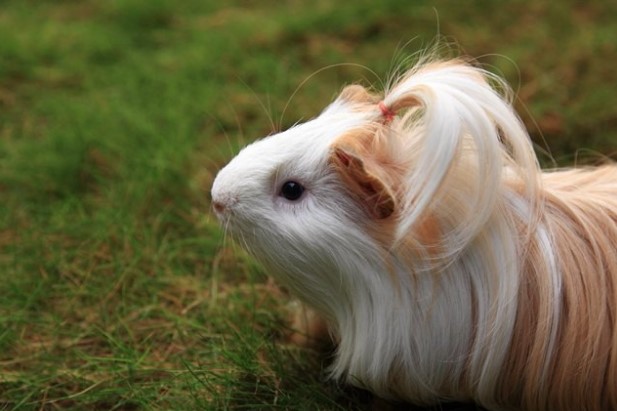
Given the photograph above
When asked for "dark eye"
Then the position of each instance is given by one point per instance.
(292, 190)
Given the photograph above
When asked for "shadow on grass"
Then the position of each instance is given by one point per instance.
(260, 374)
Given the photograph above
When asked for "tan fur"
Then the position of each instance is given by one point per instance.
(581, 213)
(366, 161)
(358, 95)
(583, 217)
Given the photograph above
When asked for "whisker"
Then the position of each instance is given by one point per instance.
(316, 72)
(267, 109)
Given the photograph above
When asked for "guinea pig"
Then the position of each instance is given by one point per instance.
(448, 266)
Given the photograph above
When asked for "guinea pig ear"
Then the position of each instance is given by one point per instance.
(361, 177)
(357, 94)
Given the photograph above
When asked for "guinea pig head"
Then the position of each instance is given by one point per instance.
(316, 200)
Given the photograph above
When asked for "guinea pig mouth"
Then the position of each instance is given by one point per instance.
(230, 219)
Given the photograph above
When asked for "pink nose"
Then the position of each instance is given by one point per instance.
(218, 206)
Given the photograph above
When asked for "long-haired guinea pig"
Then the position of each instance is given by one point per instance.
(447, 264)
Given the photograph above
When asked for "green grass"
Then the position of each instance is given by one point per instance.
(118, 291)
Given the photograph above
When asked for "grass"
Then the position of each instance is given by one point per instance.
(118, 291)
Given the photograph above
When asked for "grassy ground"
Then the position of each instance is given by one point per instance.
(117, 290)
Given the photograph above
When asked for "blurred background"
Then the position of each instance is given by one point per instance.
(117, 288)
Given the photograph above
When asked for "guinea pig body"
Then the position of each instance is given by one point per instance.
(447, 265)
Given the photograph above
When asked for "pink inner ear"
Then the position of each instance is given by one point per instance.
(343, 157)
